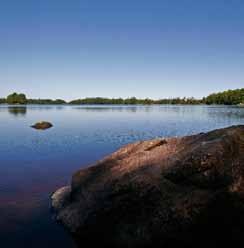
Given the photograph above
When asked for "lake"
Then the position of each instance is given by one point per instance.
(34, 163)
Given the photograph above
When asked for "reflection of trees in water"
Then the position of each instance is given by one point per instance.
(17, 111)
(218, 113)
(59, 107)
(115, 108)
(226, 112)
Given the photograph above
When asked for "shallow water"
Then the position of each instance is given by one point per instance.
(34, 163)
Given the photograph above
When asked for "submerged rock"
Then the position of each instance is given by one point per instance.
(42, 125)
(186, 192)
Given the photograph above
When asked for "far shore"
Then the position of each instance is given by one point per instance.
(229, 97)
(124, 105)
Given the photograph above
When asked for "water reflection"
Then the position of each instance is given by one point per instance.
(107, 108)
(17, 110)
(34, 164)
(230, 113)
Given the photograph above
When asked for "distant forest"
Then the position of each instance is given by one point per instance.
(230, 97)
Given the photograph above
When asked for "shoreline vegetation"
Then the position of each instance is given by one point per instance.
(229, 97)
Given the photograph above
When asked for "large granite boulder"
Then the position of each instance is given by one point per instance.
(186, 192)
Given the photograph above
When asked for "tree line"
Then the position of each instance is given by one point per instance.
(134, 100)
(16, 98)
(230, 97)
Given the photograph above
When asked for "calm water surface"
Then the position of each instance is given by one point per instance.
(33, 163)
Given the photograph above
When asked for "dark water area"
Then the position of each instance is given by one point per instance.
(34, 163)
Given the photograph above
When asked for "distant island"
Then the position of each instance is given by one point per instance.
(229, 97)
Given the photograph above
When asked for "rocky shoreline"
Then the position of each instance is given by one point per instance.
(186, 192)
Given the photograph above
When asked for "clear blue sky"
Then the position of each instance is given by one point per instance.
(143, 48)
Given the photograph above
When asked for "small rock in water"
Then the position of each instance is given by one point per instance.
(42, 125)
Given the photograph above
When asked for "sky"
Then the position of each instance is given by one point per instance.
(113, 48)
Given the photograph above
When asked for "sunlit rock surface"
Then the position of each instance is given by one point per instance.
(43, 125)
(186, 192)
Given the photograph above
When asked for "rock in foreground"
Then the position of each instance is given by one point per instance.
(43, 125)
(186, 192)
